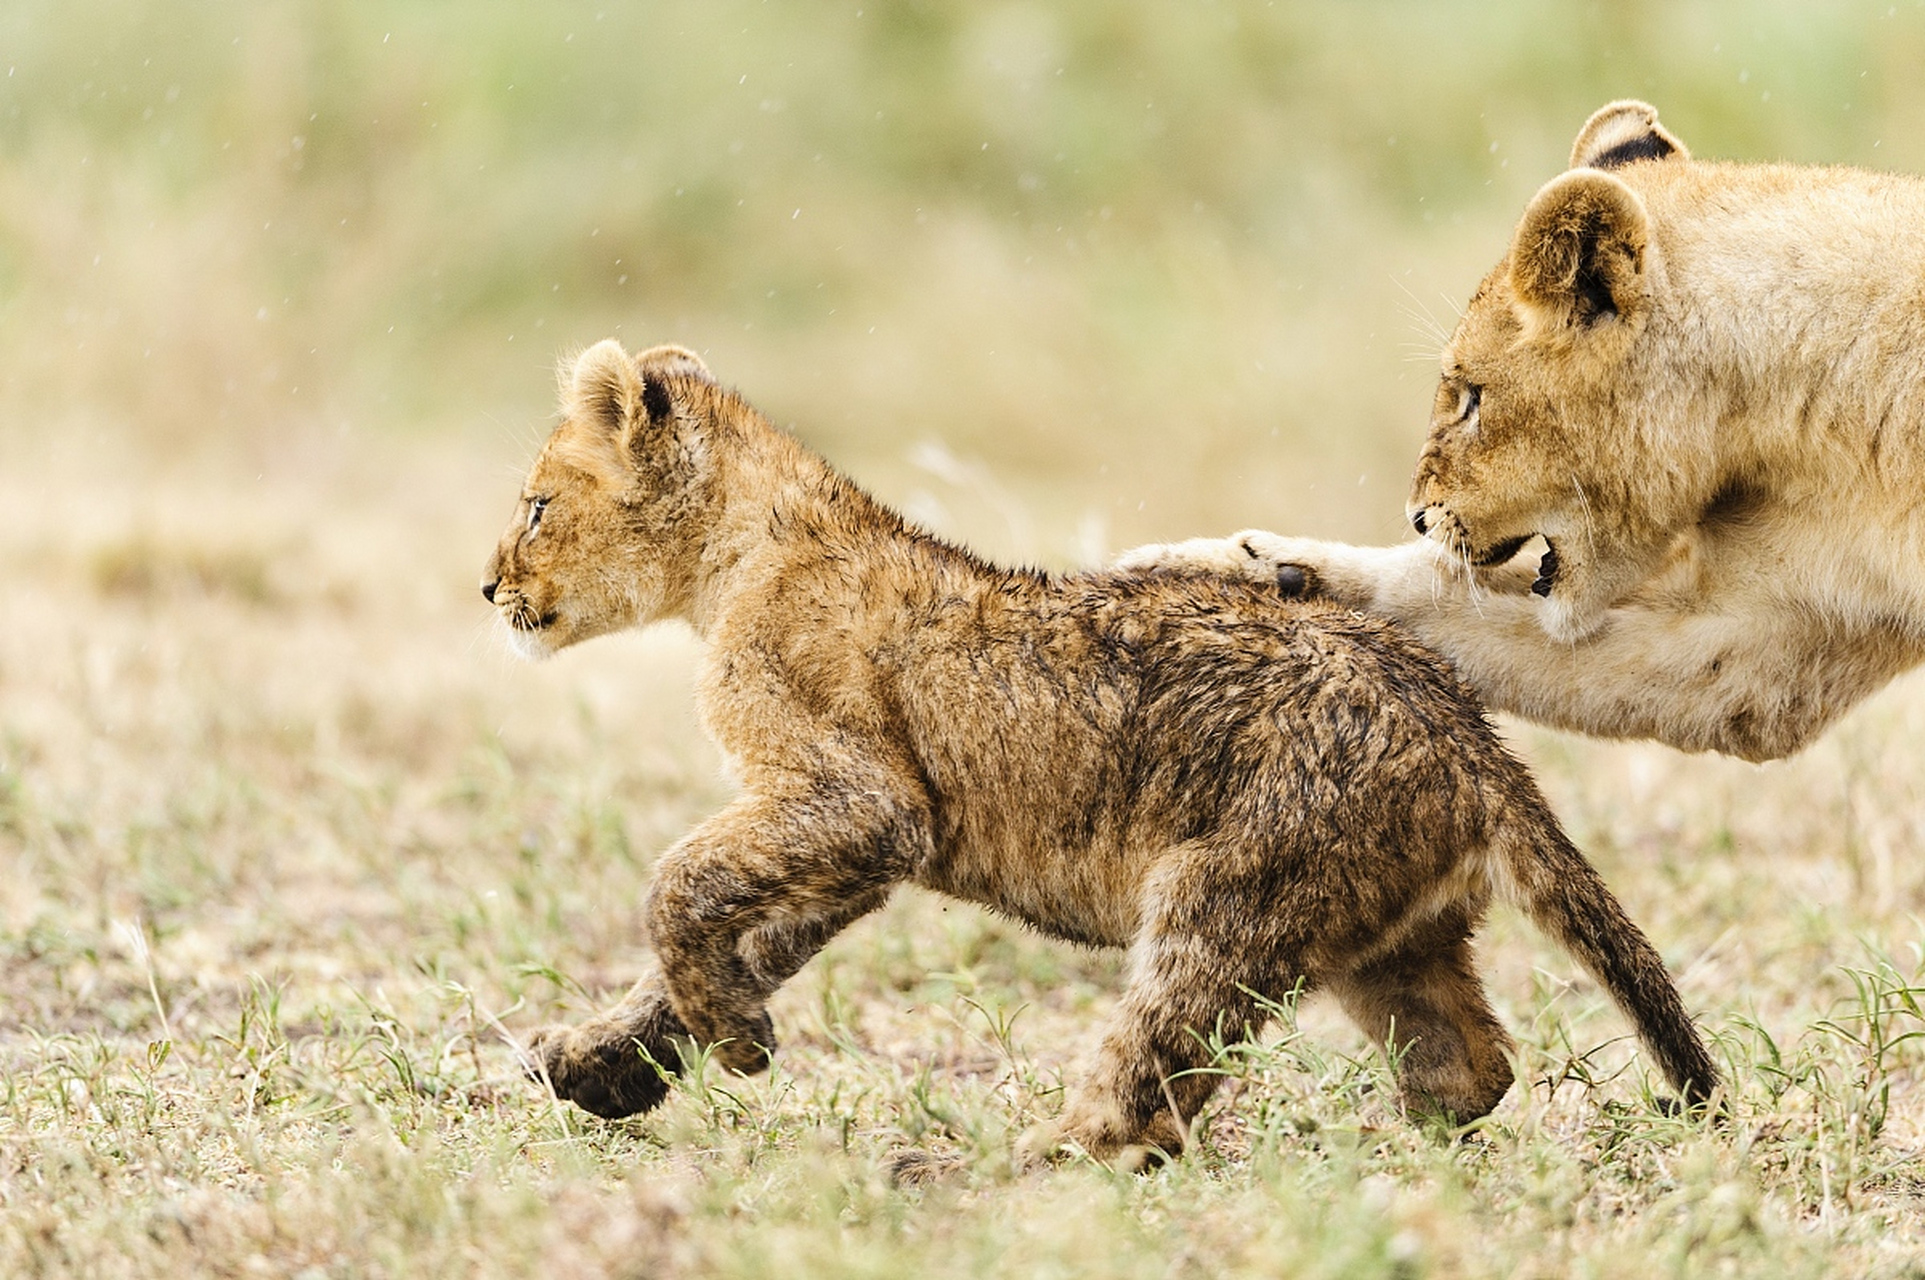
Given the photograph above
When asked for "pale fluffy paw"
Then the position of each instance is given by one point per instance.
(1041, 1145)
(1244, 555)
(1099, 1134)
(1213, 555)
(1369, 579)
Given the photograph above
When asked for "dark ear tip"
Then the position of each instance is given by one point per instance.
(655, 398)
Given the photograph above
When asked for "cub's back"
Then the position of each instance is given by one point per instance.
(1099, 715)
(1341, 721)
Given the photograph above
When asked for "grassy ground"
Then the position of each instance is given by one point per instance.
(294, 850)
(291, 849)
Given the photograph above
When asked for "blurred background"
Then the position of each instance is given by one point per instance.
(282, 288)
(1057, 277)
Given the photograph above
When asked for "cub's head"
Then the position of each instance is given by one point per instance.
(1539, 422)
(608, 526)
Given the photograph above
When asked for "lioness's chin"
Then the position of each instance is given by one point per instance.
(1564, 622)
(1576, 604)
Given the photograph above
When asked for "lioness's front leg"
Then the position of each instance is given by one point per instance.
(742, 900)
(1749, 670)
(1368, 579)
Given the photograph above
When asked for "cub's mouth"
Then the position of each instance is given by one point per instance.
(520, 615)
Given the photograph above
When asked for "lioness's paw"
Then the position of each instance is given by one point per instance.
(1291, 563)
(605, 1076)
(1245, 555)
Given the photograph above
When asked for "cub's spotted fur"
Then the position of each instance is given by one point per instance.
(1248, 794)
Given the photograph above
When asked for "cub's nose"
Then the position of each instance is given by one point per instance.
(1418, 521)
(488, 589)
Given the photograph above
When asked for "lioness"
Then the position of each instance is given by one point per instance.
(1703, 386)
(1247, 793)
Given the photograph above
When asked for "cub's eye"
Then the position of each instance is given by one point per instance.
(535, 507)
(1467, 402)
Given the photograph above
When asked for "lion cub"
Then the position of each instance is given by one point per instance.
(1248, 793)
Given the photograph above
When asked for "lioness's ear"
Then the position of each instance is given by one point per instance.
(1579, 253)
(1622, 132)
(603, 387)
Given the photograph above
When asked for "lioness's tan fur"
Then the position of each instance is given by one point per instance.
(1249, 793)
(1704, 384)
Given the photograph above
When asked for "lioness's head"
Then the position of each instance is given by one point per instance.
(1542, 419)
(607, 528)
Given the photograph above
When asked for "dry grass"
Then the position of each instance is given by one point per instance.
(292, 849)
(289, 865)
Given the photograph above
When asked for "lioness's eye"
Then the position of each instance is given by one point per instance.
(535, 507)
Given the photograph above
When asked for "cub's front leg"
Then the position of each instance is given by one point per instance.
(734, 940)
(613, 1065)
(746, 898)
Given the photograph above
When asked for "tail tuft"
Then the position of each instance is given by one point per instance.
(1563, 893)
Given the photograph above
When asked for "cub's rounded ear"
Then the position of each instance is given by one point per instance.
(1621, 133)
(657, 365)
(602, 386)
(669, 359)
(1581, 254)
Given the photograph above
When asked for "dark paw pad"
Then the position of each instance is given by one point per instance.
(1293, 581)
(610, 1079)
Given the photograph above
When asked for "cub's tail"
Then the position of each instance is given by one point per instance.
(1562, 892)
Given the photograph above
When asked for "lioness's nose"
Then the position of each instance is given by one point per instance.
(488, 589)
(1417, 522)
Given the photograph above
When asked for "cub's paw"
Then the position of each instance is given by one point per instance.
(914, 1167)
(605, 1075)
(1052, 1142)
(1042, 1145)
(749, 1054)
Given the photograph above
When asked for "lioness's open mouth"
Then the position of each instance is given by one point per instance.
(1500, 553)
(1546, 570)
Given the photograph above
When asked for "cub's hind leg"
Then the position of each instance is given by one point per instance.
(612, 1065)
(1193, 967)
(1426, 997)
